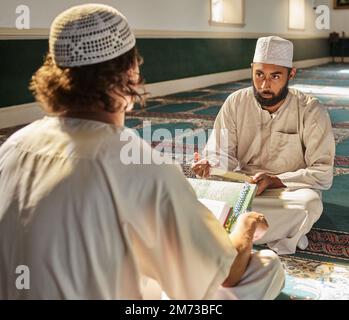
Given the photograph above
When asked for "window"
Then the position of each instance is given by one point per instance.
(227, 12)
(296, 19)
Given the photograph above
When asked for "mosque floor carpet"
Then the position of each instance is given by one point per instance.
(322, 270)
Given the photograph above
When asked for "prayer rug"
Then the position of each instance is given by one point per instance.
(308, 279)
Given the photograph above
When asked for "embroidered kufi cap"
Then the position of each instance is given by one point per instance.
(89, 34)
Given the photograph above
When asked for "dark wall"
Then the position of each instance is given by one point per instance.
(165, 59)
(340, 48)
(18, 61)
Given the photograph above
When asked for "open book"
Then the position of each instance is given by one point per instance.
(226, 200)
(220, 209)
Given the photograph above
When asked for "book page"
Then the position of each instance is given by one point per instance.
(220, 190)
(219, 209)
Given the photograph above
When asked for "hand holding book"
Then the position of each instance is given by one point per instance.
(237, 218)
(226, 200)
(266, 181)
(203, 169)
(252, 224)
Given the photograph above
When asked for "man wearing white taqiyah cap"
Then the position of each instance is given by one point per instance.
(274, 50)
(283, 138)
(85, 224)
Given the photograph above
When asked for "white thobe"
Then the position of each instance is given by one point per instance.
(263, 279)
(88, 226)
(295, 143)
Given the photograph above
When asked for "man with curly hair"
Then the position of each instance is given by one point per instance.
(86, 225)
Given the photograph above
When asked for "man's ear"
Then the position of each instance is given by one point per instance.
(292, 73)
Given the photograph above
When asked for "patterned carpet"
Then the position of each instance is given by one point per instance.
(308, 279)
(321, 271)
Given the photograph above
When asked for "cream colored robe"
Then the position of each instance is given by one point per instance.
(89, 226)
(263, 279)
(295, 143)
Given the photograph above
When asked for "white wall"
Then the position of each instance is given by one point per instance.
(262, 16)
(340, 21)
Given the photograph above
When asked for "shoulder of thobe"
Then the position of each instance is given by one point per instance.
(233, 102)
(314, 113)
(308, 104)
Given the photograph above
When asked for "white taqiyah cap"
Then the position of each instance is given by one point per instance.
(274, 50)
(89, 34)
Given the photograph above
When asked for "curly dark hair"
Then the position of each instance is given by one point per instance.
(87, 88)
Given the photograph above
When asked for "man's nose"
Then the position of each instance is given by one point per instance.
(265, 84)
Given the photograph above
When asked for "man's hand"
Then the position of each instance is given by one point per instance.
(250, 226)
(200, 167)
(266, 181)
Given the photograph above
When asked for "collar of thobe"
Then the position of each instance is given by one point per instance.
(282, 107)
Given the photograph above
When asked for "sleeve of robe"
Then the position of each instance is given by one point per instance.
(182, 246)
(220, 149)
(319, 151)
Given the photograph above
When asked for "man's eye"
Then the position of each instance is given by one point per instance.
(259, 75)
(275, 77)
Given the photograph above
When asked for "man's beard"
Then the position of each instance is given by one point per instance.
(275, 99)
